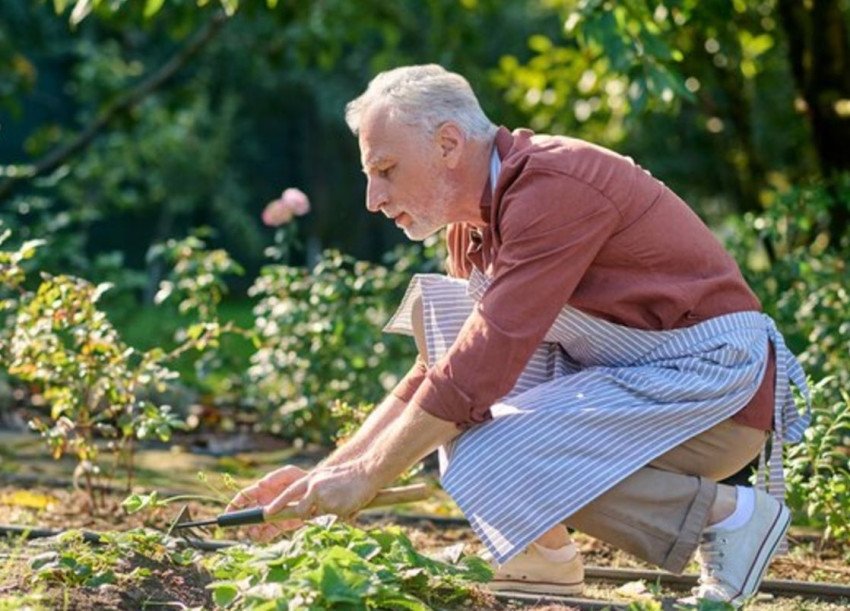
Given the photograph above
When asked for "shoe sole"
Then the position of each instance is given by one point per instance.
(536, 587)
(768, 548)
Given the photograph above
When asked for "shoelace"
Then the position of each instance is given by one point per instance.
(711, 564)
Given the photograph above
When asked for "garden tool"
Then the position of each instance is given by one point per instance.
(254, 515)
(184, 517)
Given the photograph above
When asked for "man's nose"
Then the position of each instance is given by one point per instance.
(376, 196)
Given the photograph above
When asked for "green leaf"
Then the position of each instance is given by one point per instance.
(29, 248)
(152, 7)
(224, 592)
(138, 502)
(100, 578)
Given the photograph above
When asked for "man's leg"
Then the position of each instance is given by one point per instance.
(659, 512)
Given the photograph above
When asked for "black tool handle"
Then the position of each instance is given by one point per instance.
(254, 515)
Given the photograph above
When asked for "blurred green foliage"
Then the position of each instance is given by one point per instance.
(321, 339)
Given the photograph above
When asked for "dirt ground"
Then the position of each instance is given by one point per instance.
(163, 585)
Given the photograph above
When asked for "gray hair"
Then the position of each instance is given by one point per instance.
(426, 96)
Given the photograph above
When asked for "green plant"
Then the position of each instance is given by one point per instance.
(196, 276)
(76, 562)
(818, 470)
(802, 283)
(321, 346)
(321, 341)
(57, 338)
(349, 418)
(336, 566)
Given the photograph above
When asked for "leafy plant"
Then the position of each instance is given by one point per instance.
(77, 562)
(320, 332)
(335, 566)
(818, 470)
(196, 275)
(321, 347)
(803, 285)
(57, 338)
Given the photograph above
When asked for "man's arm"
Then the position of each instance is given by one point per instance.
(386, 412)
(393, 405)
(408, 439)
(346, 487)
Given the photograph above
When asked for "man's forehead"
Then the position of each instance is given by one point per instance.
(377, 135)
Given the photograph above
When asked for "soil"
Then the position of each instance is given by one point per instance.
(173, 586)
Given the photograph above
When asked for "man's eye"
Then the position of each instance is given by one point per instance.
(385, 172)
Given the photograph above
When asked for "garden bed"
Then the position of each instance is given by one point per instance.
(149, 570)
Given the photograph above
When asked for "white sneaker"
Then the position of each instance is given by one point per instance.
(733, 562)
(529, 571)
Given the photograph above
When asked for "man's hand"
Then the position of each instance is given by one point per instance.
(263, 492)
(341, 490)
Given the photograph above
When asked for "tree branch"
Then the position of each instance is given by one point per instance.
(60, 154)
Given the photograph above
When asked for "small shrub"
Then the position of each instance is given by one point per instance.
(799, 271)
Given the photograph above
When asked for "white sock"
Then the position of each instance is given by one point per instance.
(562, 554)
(744, 507)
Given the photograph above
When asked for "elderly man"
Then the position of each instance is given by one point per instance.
(594, 358)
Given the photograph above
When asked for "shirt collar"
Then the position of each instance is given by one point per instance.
(501, 146)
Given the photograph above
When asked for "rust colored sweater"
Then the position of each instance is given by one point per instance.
(574, 223)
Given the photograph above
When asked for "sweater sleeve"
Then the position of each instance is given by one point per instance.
(552, 226)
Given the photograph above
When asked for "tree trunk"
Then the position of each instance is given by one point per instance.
(820, 61)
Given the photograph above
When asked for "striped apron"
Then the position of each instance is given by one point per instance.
(596, 402)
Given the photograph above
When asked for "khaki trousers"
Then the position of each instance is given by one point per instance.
(659, 512)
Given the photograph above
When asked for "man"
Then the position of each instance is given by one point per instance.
(596, 359)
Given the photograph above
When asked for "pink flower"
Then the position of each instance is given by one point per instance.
(292, 202)
(277, 213)
(296, 200)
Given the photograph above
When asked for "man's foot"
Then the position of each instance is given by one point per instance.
(529, 571)
(734, 561)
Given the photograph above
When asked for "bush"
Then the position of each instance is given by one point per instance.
(321, 341)
(801, 277)
(818, 470)
(56, 338)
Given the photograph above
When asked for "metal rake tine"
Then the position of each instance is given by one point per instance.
(186, 533)
(182, 516)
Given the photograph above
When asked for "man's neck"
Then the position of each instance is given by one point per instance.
(475, 177)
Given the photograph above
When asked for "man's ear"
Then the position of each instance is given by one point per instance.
(451, 141)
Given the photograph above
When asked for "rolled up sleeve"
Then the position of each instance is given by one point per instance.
(412, 380)
(552, 228)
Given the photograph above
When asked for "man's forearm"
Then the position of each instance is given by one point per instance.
(409, 437)
(386, 412)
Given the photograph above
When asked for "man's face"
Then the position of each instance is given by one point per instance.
(407, 179)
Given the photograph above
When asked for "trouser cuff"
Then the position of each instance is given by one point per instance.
(695, 522)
